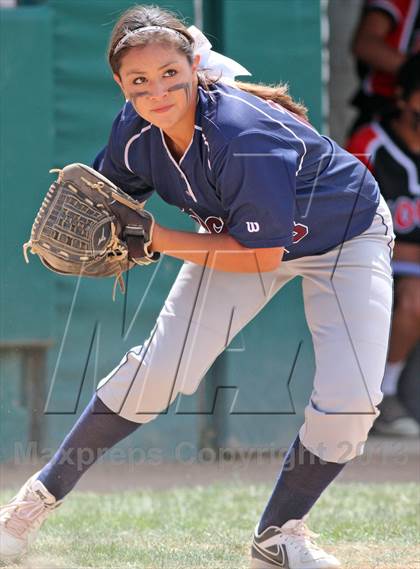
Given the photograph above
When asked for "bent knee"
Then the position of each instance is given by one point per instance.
(358, 403)
(137, 392)
(336, 436)
(136, 408)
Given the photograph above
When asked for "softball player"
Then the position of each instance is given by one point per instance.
(274, 200)
(387, 35)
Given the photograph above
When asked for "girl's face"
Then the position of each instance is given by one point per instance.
(160, 83)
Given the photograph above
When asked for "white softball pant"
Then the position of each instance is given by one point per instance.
(348, 297)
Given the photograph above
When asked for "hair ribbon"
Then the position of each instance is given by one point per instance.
(213, 61)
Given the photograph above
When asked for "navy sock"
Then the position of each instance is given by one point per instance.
(96, 431)
(303, 478)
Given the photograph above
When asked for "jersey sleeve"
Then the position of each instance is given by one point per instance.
(391, 8)
(110, 162)
(362, 145)
(257, 185)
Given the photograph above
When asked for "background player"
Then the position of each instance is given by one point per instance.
(264, 185)
(387, 35)
(391, 149)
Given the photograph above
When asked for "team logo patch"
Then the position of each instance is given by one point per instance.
(300, 231)
(212, 223)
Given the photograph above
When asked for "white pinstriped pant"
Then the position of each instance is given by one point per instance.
(348, 298)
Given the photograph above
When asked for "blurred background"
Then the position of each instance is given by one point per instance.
(60, 336)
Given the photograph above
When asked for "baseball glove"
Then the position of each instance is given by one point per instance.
(86, 224)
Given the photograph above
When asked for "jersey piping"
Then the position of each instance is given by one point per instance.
(402, 158)
(387, 7)
(272, 119)
(175, 163)
(130, 142)
(408, 28)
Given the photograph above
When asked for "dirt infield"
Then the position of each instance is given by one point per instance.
(385, 460)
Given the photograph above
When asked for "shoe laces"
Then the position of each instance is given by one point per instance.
(301, 537)
(23, 516)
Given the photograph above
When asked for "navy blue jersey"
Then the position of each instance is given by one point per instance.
(252, 169)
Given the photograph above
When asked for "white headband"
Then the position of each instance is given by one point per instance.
(210, 60)
(139, 31)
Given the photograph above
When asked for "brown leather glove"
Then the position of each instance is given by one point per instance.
(85, 223)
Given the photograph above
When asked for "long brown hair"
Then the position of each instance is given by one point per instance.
(123, 37)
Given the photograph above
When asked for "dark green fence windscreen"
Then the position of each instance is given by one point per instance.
(278, 41)
(26, 142)
(26, 137)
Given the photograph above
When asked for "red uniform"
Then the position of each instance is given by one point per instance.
(404, 36)
(377, 88)
(397, 171)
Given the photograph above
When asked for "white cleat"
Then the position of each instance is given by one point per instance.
(22, 517)
(289, 547)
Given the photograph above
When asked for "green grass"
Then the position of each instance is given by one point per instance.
(367, 526)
